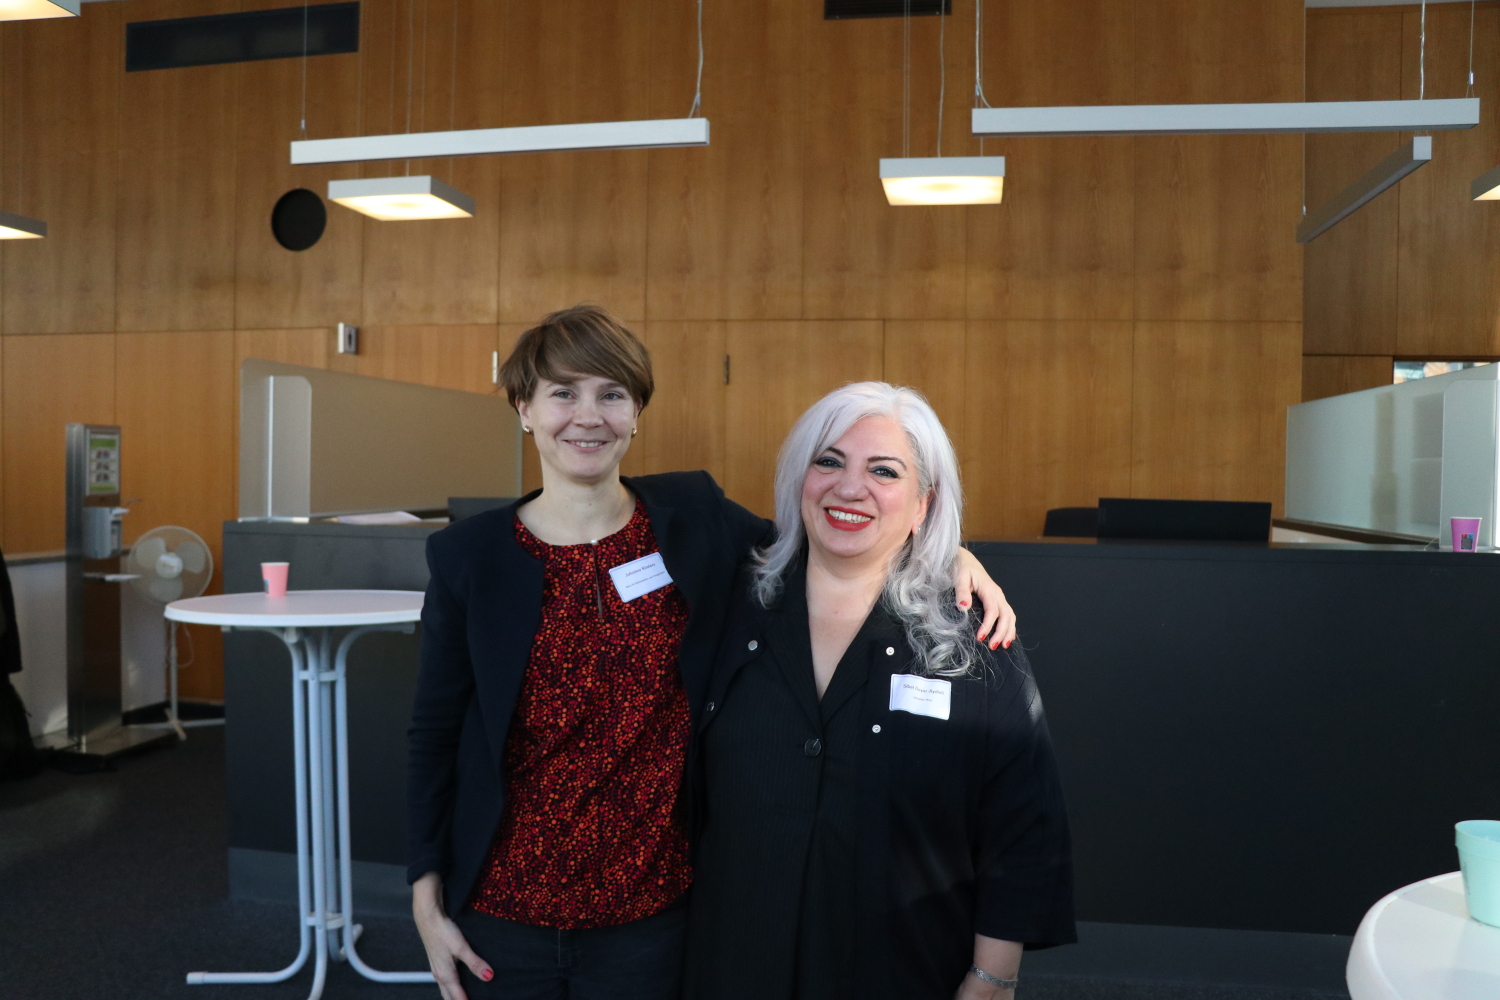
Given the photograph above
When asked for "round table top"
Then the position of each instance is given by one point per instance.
(1419, 943)
(301, 608)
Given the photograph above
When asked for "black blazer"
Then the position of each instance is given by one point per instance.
(483, 606)
(962, 830)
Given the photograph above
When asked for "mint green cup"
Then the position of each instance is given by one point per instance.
(1478, 843)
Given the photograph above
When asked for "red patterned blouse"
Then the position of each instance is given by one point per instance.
(594, 761)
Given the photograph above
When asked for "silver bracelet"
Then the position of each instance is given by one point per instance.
(996, 981)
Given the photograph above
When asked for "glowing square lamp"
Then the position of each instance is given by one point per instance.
(397, 199)
(943, 180)
(27, 10)
(19, 227)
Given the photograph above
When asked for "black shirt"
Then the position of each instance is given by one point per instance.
(864, 865)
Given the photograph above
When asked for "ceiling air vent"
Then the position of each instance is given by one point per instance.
(834, 10)
(244, 37)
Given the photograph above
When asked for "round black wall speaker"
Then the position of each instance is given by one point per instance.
(298, 219)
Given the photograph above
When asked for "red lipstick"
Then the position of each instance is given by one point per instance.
(847, 525)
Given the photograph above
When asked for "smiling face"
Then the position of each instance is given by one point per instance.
(582, 427)
(860, 497)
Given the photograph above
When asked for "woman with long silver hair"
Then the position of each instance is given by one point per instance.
(880, 813)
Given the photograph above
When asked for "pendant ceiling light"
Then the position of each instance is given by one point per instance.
(940, 180)
(1413, 153)
(1229, 119)
(943, 180)
(28, 10)
(19, 227)
(1486, 187)
(397, 199)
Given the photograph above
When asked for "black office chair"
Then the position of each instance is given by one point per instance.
(18, 755)
(1071, 522)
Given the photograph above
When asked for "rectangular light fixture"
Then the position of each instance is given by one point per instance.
(398, 199)
(1228, 119)
(943, 180)
(29, 10)
(19, 227)
(656, 133)
(1486, 187)
(1412, 154)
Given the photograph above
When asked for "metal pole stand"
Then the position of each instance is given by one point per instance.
(324, 865)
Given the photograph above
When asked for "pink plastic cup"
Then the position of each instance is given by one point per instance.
(273, 575)
(1465, 533)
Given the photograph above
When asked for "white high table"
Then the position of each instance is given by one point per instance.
(1419, 943)
(303, 619)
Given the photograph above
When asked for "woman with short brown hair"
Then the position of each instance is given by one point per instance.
(567, 640)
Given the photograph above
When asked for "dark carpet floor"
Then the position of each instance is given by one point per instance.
(113, 887)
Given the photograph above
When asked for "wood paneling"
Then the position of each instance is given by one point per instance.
(725, 222)
(1048, 419)
(778, 370)
(1449, 245)
(49, 381)
(683, 428)
(274, 286)
(1216, 215)
(61, 168)
(439, 271)
(928, 355)
(573, 225)
(861, 257)
(1349, 297)
(293, 347)
(1062, 245)
(1209, 409)
(175, 403)
(174, 238)
(1327, 375)
(448, 357)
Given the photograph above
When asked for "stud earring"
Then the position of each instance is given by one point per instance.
(525, 429)
(634, 431)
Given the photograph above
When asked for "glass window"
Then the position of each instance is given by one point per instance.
(1408, 370)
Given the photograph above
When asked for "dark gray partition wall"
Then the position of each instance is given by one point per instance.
(1261, 737)
(1255, 738)
(258, 709)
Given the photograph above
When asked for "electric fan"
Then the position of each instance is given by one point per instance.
(172, 563)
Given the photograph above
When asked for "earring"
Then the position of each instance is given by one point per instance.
(916, 529)
(634, 431)
(525, 429)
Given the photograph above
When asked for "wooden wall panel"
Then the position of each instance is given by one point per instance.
(446, 270)
(448, 357)
(1209, 412)
(1449, 245)
(928, 355)
(683, 428)
(861, 257)
(1062, 245)
(778, 370)
(725, 222)
(49, 381)
(276, 287)
(1326, 375)
(175, 396)
(1048, 408)
(1349, 295)
(174, 238)
(574, 224)
(293, 347)
(62, 170)
(1216, 215)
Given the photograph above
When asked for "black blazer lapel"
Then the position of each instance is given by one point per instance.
(505, 610)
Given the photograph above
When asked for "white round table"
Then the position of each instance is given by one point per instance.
(1419, 943)
(304, 620)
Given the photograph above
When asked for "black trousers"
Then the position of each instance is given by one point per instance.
(641, 960)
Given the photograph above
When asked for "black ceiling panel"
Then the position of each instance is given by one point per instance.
(243, 37)
(834, 10)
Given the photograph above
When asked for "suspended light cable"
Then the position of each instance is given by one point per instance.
(906, 78)
(302, 129)
(698, 87)
(979, 99)
(1469, 92)
(1422, 58)
(942, 77)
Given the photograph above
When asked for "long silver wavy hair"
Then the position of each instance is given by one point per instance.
(919, 586)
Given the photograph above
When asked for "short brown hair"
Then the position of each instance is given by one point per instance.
(583, 340)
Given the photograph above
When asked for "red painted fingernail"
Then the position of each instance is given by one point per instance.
(488, 974)
(1007, 643)
(963, 604)
(995, 644)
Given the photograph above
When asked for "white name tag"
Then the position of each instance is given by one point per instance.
(640, 576)
(927, 696)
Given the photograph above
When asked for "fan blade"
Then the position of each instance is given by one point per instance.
(166, 591)
(194, 556)
(146, 552)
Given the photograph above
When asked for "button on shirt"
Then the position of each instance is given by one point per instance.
(796, 755)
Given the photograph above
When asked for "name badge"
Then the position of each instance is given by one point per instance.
(927, 696)
(640, 576)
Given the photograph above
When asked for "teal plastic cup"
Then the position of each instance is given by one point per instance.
(1479, 855)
